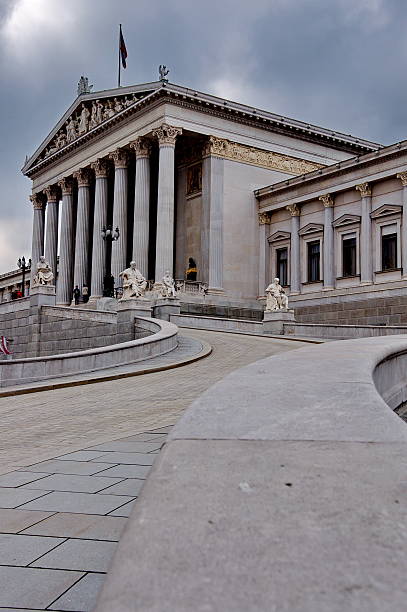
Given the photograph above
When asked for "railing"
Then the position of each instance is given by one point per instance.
(187, 286)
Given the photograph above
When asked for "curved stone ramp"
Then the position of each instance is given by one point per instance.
(282, 488)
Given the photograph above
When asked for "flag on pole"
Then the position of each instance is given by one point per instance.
(122, 49)
(4, 348)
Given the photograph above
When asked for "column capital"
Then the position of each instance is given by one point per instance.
(83, 177)
(167, 134)
(52, 194)
(120, 158)
(294, 210)
(141, 146)
(101, 167)
(38, 201)
(403, 177)
(214, 146)
(326, 200)
(66, 185)
(365, 189)
(264, 218)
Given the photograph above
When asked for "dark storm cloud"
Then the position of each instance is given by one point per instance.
(336, 63)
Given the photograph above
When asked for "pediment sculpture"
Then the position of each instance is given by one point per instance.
(44, 275)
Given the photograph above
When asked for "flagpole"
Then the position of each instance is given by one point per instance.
(118, 80)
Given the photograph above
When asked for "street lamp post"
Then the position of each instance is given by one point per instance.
(109, 235)
(23, 266)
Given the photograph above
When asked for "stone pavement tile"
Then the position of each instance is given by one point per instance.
(128, 446)
(11, 498)
(148, 437)
(13, 521)
(130, 458)
(80, 503)
(85, 526)
(82, 596)
(16, 479)
(75, 483)
(83, 555)
(82, 455)
(130, 486)
(23, 549)
(54, 466)
(161, 430)
(123, 510)
(127, 471)
(25, 587)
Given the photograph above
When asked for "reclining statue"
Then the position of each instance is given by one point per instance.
(134, 283)
(276, 297)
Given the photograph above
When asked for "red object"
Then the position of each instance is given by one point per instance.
(4, 346)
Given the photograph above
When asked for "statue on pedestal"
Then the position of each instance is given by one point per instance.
(44, 275)
(168, 286)
(134, 283)
(276, 297)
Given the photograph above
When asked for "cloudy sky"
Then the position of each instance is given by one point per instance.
(338, 63)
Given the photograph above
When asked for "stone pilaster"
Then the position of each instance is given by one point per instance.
(212, 203)
(366, 253)
(37, 246)
(119, 248)
(403, 177)
(295, 269)
(264, 231)
(166, 135)
(82, 228)
(51, 238)
(101, 168)
(64, 286)
(142, 148)
(328, 203)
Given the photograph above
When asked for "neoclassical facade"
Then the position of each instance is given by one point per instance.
(175, 171)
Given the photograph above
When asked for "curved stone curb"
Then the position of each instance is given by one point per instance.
(204, 352)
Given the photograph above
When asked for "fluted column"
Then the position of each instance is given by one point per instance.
(101, 169)
(366, 254)
(119, 248)
(142, 148)
(51, 238)
(264, 229)
(64, 286)
(403, 177)
(328, 203)
(213, 168)
(82, 229)
(295, 271)
(166, 135)
(37, 245)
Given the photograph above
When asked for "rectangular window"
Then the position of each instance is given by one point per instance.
(314, 256)
(282, 266)
(389, 251)
(349, 257)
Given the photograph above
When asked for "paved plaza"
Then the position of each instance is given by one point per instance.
(73, 461)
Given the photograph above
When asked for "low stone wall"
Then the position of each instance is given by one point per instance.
(162, 338)
(281, 488)
(14, 323)
(341, 332)
(217, 323)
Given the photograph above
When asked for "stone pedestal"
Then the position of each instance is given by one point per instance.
(127, 311)
(165, 307)
(43, 295)
(273, 322)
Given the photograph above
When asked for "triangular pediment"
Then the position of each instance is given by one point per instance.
(346, 220)
(385, 210)
(311, 228)
(280, 235)
(89, 113)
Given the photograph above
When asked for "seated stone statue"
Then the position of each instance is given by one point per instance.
(44, 275)
(134, 283)
(276, 297)
(168, 286)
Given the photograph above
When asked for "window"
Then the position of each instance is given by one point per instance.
(282, 261)
(314, 256)
(349, 257)
(389, 252)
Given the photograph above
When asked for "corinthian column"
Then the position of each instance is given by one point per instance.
(328, 203)
(213, 169)
(166, 135)
(51, 240)
(82, 229)
(366, 254)
(142, 148)
(64, 287)
(403, 177)
(119, 248)
(264, 230)
(101, 169)
(37, 245)
(295, 248)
